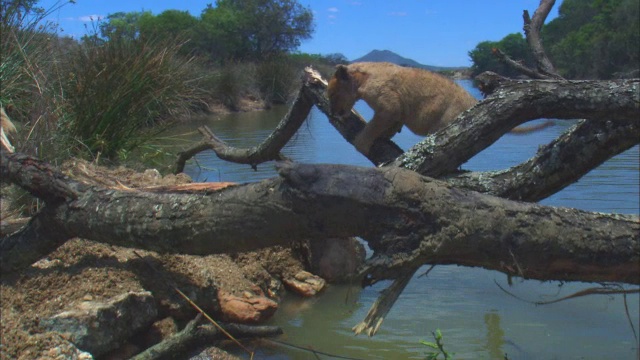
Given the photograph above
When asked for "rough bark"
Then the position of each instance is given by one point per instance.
(268, 150)
(584, 146)
(518, 101)
(532, 27)
(406, 218)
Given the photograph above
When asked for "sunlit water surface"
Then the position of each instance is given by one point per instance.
(478, 319)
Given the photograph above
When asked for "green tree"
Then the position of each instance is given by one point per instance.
(168, 24)
(603, 34)
(514, 45)
(122, 25)
(253, 29)
(589, 39)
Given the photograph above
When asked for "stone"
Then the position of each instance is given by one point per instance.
(336, 259)
(305, 283)
(98, 327)
(246, 310)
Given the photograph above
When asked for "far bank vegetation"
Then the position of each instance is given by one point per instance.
(71, 97)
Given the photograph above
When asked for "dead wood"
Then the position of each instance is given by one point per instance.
(518, 101)
(268, 150)
(532, 27)
(407, 220)
(196, 335)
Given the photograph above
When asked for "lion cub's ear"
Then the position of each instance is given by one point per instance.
(342, 72)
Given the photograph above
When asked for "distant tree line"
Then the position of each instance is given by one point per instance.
(237, 30)
(603, 34)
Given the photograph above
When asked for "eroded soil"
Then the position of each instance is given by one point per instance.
(82, 270)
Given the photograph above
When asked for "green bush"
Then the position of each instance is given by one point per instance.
(119, 88)
(277, 79)
(232, 82)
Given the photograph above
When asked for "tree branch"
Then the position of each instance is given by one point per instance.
(407, 219)
(382, 151)
(532, 29)
(312, 92)
(514, 103)
(548, 172)
(520, 67)
(194, 335)
(268, 150)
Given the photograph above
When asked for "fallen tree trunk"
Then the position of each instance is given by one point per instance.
(406, 218)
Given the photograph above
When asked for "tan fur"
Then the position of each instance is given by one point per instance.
(6, 127)
(423, 101)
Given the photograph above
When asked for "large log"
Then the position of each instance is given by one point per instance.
(406, 218)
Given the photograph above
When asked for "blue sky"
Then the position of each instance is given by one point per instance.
(432, 32)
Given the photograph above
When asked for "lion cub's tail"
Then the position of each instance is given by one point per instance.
(6, 127)
(521, 130)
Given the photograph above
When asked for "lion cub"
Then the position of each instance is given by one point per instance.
(423, 101)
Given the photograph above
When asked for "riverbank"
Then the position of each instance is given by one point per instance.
(113, 302)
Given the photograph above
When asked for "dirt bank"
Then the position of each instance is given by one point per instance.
(82, 273)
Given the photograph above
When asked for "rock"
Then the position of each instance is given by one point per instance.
(242, 309)
(334, 259)
(66, 352)
(51, 346)
(98, 327)
(214, 353)
(305, 283)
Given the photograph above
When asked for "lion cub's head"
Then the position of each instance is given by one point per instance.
(343, 91)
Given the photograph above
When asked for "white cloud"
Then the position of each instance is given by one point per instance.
(333, 9)
(89, 18)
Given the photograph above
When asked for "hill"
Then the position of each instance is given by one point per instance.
(390, 56)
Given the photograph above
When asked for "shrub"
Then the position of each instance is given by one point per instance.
(117, 89)
(231, 82)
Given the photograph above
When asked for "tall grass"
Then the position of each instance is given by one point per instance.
(27, 62)
(122, 92)
(233, 82)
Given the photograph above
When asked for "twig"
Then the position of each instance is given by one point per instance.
(383, 304)
(581, 293)
(428, 271)
(633, 328)
(315, 352)
(194, 334)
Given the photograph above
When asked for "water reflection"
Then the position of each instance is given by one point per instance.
(495, 335)
(478, 320)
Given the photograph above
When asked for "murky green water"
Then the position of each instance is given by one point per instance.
(478, 320)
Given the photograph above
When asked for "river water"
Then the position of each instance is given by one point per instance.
(478, 319)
